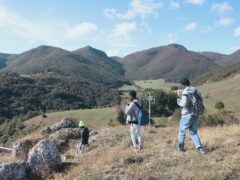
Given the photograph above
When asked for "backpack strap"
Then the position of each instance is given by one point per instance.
(139, 107)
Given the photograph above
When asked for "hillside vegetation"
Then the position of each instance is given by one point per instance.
(226, 91)
(218, 74)
(28, 96)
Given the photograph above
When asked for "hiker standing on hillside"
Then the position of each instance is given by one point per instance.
(132, 111)
(83, 147)
(189, 119)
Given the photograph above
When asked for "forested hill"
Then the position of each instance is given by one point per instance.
(27, 96)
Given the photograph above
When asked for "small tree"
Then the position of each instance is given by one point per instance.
(121, 117)
(219, 105)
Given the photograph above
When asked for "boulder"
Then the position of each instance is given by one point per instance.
(64, 123)
(44, 157)
(21, 149)
(10, 171)
(62, 136)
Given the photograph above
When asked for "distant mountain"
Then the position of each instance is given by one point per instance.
(117, 59)
(98, 57)
(223, 59)
(235, 57)
(4, 58)
(171, 62)
(86, 63)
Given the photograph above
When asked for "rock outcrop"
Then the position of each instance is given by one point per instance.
(21, 149)
(10, 171)
(44, 157)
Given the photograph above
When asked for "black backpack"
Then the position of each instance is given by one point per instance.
(195, 103)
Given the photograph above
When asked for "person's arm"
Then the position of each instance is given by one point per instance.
(183, 101)
(129, 109)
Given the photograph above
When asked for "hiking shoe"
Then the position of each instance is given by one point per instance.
(201, 151)
(140, 146)
(181, 150)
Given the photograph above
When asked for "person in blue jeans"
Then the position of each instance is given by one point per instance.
(188, 120)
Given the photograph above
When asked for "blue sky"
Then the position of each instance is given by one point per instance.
(120, 27)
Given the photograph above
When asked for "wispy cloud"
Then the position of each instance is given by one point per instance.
(172, 37)
(142, 8)
(123, 29)
(174, 5)
(235, 48)
(237, 32)
(196, 2)
(190, 27)
(83, 29)
(225, 22)
(35, 32)
(221, 7)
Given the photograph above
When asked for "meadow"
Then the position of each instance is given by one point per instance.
(227, 91)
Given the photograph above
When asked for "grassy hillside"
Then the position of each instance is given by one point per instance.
(92, 117)
(111, 156)
(155, 84)
(227, 91)
(149, 84)
(218, 74)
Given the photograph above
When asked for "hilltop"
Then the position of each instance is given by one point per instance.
(171, 62)
(223, 59)
(86, 63)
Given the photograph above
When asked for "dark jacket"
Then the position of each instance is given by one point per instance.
(84, 135)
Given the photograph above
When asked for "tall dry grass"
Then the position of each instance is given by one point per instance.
(159, 159)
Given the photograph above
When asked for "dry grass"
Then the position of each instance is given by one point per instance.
(6, 157)
(112, 158)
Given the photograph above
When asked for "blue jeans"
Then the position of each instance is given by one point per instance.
(188, 122)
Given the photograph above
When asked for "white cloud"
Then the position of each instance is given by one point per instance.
(196, 2)
(237, 32)
(114, 52)
(171, 38)
(190, 27)
(174, 5)
(35, 32)
(123, 29)
(206, 29)
(140, 8)
(221, 7)
(225, 22)
(82, 30)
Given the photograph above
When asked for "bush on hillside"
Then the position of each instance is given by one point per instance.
(174, 88)
(219, 105)
(121, 117)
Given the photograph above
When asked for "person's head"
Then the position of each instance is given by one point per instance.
(81, 124)
(185, 82)
(133, 94)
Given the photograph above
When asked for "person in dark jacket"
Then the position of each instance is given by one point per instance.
(84, 138)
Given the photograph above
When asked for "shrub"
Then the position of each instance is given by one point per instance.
(219, 105)
(174, 88)
(121, 118)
